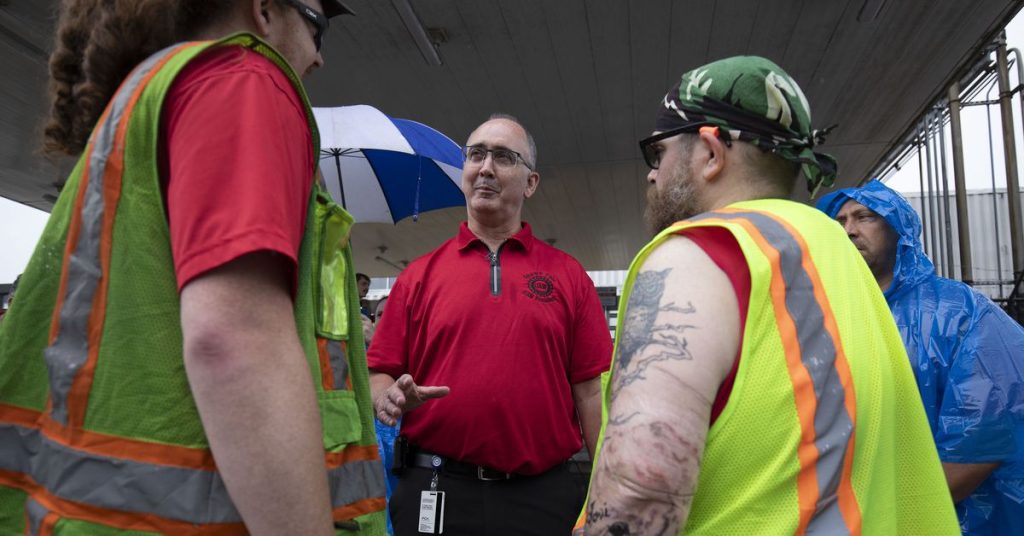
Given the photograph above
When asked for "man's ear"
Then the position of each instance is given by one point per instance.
(532, 180)
(261, 17)
(714, 153)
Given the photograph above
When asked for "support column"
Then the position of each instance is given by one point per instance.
(963, 227)
(1010, 157)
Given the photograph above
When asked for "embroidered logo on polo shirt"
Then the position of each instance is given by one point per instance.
(540, 286)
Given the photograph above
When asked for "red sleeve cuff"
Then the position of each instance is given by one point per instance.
(580, 376)
(233, 247)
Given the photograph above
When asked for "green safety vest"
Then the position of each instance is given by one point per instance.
(99, 433)
(824, 431)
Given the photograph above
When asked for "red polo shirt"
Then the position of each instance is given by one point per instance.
(509, 347)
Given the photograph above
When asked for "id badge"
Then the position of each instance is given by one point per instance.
(431, 512)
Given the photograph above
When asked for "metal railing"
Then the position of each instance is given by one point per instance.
(927, 140)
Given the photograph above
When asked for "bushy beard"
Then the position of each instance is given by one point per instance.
(678, 202)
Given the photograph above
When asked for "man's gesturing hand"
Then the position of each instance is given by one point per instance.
(403, 396)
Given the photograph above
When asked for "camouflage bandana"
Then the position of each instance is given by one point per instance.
(753, 100)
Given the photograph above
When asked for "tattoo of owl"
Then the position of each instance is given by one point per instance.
(644, 340)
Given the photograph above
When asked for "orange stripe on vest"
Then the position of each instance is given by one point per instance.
(326, 372)
(847, 499)
(147, 452)
(64, 509)
(78, 395)
(46, 527)
(359, 508)
(803, 388)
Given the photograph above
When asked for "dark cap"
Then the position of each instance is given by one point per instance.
(755, 101)
(333, 8)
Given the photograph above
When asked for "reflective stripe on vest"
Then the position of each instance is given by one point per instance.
(132, 486)
(78, 319)
(334, 364)
(819, 372)
(36, 514)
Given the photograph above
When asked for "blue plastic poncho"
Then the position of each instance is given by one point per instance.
(386, 436)
(968, 359)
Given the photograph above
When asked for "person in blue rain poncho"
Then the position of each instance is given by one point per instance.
(967, 356)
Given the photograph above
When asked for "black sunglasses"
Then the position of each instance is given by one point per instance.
(319, 20)
(652, 156)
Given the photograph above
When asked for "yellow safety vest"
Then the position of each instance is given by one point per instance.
(99, 432)
(823, 432)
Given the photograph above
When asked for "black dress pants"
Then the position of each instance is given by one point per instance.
(541, 505)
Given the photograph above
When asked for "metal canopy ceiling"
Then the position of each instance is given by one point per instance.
(585, 76)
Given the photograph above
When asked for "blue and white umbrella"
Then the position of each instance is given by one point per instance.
(383, 169)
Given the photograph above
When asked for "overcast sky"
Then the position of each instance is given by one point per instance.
(20, 226)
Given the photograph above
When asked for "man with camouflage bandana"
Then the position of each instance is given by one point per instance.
(759, 384)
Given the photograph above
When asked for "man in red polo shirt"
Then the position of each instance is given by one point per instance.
(509, 335)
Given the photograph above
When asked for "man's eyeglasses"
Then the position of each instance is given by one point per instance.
(317, 19)
(652, 154)
(505, 158)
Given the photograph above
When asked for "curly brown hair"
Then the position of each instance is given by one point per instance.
(98, 42)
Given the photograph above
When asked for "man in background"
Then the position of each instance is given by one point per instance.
(10, 297)
(363, 283)
(966, 353)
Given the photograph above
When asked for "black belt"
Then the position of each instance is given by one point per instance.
(444, 465)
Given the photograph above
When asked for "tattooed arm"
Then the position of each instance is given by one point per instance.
(679, 339)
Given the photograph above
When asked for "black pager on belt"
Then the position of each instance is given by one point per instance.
(401, 455)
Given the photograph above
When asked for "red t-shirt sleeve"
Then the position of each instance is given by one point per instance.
(238, 162)
(592, 343)
(387, 352)
(723, 249)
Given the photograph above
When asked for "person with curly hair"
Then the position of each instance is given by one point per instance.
(176, 363)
